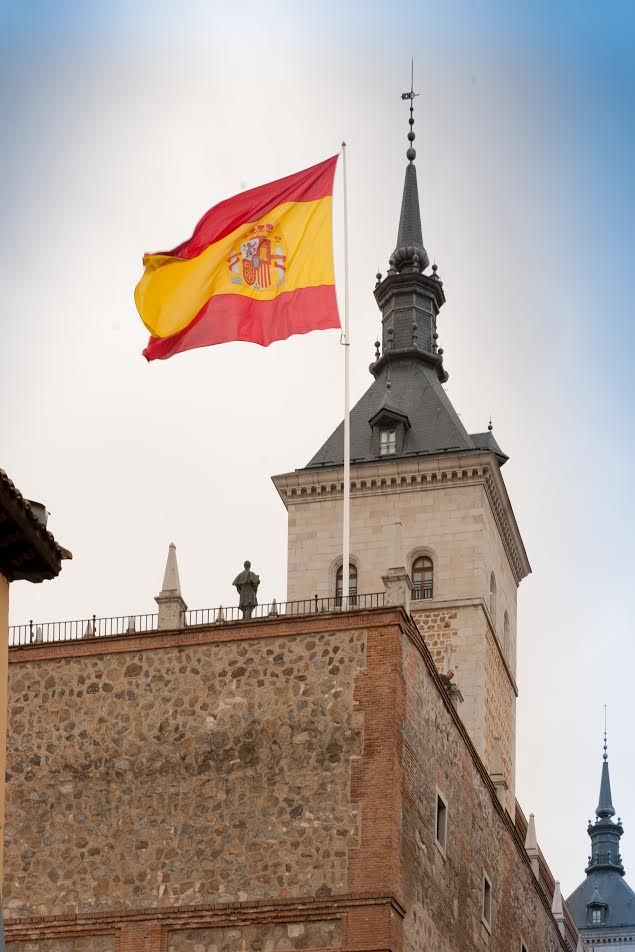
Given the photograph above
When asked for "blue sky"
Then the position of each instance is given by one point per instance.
(121, 123)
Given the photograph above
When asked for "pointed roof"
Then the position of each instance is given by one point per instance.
(409, 236)
(616, 896)
(604, 884)
(171, 580)
(605, 806)
(556, 902)
(531, 843)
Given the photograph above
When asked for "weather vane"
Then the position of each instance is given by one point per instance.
(411, 154)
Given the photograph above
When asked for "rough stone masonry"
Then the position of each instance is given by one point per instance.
(261, 785)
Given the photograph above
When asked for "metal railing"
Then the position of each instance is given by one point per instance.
(93, 627)
(424, 592)
(34, 633)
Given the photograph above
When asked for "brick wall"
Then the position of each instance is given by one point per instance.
(443, 889)
(93, 943)
(274, 937)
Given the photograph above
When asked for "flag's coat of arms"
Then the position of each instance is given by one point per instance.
(260, 260)
(259, 267)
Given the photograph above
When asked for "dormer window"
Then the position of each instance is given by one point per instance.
(389, 426)
(387, 442)
(596, 909)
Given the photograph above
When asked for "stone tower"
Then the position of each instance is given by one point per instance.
(603, 905)
(414, 463)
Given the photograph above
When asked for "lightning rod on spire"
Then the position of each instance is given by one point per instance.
(411, 153)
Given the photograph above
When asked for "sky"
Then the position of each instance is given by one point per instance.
(122, 123)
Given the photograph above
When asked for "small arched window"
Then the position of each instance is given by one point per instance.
(352, 584)
(492, 598)
(506, 635)
(422, 577)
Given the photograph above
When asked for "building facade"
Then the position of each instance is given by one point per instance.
(603, 905)
(311, 777)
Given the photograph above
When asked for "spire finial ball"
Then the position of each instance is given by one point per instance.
(411, 154)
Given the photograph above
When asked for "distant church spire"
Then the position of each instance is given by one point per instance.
(410, 251)
(605, 834)
(604, 904)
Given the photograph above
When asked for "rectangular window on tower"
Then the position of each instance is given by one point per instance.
(441, 830)
(596, 917)
(387, 442)
(486, 914)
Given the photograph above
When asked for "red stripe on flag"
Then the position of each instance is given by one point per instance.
(306, 186)
(228, 317)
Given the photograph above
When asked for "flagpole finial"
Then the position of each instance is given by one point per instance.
(411, 153)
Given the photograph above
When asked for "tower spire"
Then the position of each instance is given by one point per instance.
(605, 806)
(605, 833)
(410, 253)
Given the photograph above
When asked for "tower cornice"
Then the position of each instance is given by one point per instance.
(436, 471)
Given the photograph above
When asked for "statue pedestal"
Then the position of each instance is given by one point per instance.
(398, 585)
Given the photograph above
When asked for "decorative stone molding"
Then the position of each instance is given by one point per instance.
(414, 475)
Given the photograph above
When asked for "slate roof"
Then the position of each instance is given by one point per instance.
(605, 806)
(409, 236)
(605, 885)
(416, 392)
(614, 891)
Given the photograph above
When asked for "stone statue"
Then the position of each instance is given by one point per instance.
(247, 583)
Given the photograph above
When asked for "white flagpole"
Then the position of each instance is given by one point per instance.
(347, 423)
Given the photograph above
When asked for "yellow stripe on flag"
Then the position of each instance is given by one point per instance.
(172, 290)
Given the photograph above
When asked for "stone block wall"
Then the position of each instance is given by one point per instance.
(92, 943)
(214, 772)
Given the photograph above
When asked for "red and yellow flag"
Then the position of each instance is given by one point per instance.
(259, 267)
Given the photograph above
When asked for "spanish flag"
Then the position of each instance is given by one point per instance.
(259, 267)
